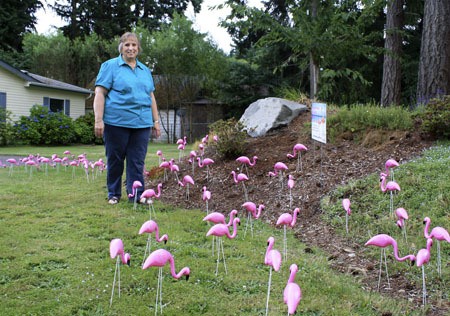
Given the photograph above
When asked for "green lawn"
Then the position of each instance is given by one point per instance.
(54, 255)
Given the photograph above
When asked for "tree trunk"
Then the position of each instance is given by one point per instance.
(392, 71)
(313, 67)
(434, 66)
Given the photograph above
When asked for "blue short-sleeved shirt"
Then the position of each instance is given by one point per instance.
(128, 102)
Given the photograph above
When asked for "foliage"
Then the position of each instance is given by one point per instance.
(16, 19)
(77, 61)
(358, 118)
(7, 135)
(424, 193)
(92, 16)
(232, 138)
(436, 117)
(65, 267)
(84, 130)
(44, 127)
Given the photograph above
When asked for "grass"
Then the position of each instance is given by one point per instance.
(425, 191)
(54, 253)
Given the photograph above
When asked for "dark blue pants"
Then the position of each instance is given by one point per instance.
(130, 144)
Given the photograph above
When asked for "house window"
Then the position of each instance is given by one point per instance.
(57, 105)
(3, 100)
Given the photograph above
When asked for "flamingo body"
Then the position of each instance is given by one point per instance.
(152, 227)
(346, 205)
(383, 241)
(219, 218)
(221, 230)
(253, 209)
(292, 293)
(161, 257)
(116, 249)
(273, 256)
(288, 219)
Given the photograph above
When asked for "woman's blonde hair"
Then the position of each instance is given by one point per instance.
(125, 37)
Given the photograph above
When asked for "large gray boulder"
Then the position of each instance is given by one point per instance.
(266, 114)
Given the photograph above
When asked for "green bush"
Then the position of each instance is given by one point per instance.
(436, 118)
(231, 136)
(84, 130)
(43, 127)
(7, 136)
(358, 118)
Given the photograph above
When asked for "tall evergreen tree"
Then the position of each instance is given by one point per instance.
(109, 18)
(16, 19)
(434, 66)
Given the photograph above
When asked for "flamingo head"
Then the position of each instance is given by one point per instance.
(426, 220)
(127, 258)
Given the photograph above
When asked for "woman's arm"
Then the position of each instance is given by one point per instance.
(99, 108)
(155, 114)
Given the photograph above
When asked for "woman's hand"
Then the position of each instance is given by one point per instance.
(156, 130)
(99, 127)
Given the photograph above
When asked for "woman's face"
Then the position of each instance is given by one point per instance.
(130, 49)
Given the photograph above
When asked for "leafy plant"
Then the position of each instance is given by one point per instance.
(84, 130)
(231, 136)
(436, 118)
(44, 127)
(6, 128)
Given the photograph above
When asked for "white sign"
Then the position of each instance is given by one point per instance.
(319, 122)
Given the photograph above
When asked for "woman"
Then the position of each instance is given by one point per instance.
(125, 113)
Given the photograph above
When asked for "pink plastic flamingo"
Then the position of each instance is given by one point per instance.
(382, 241)
(272, 259)
(290, 185)
(166, 166)
(206, 196)
(245, 161)
(116, 251)
(389, 165)
(423, 257)
(187, 180)
(252, 212)
(159, 258)
(402, 215)
(219, 218)
(12, 162)
(191, 160)
(220, 230)
(438, 233)
(134, 193)
(292, 293)
(297, 151)
(160, 155)
(241, 178)
(346, 205)
(287, 219)
(147, 197)
(151, 227)
(206, 162)
(278, 170)
(391, 186)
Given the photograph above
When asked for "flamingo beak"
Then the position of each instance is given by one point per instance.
(413, 262)
(187, 277)
(129, 263)
(165, 241)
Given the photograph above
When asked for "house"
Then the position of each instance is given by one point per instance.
(20, 90)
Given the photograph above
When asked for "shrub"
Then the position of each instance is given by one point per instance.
(231, 136)
(436, 118)
(84, 130)
(6, 128)
(43, 127)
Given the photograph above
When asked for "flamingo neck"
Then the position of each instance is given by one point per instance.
(383, 183)
(426, 229)
(234, 230)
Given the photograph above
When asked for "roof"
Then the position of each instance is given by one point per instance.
(41, 81)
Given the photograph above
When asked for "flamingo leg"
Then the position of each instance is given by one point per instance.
(147, 248)
(135, 201)
(223, 256)
(284, 243)
(114, 281)
(268, 291)
(298, 163)
(290, 198)
(391, 203)
(346, 222)
(246, 223)
(424, 297)
(151, 209)
(385, 265)
(219, 239)
(439, 257)
(245, 191)
(379, 274)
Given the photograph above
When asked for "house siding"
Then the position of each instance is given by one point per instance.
(21, 98)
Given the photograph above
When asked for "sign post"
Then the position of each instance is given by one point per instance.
(319, 127)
